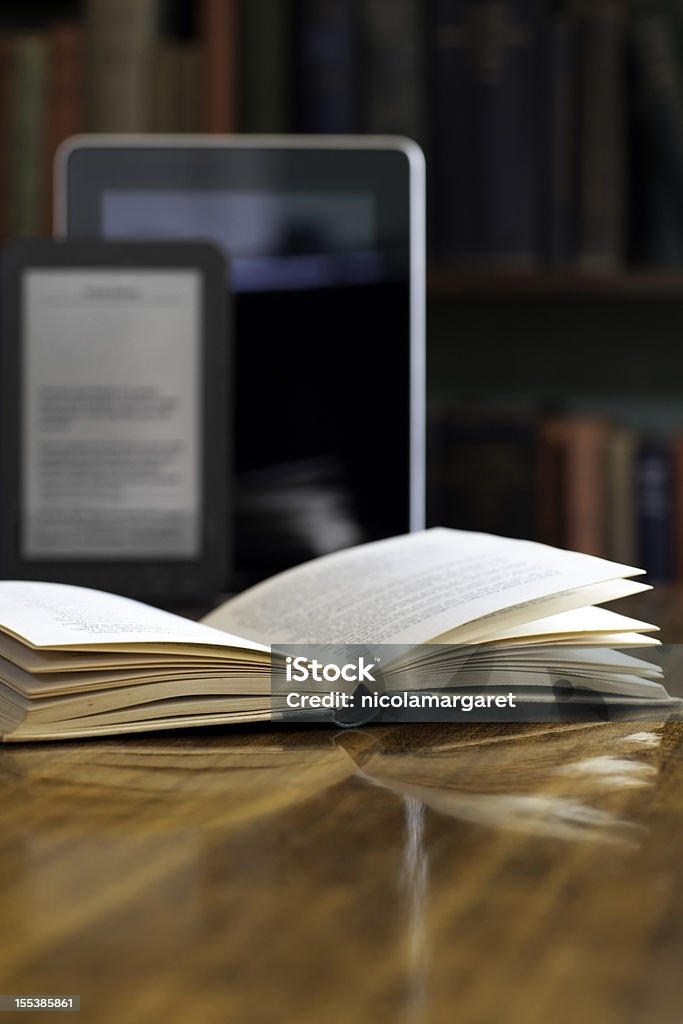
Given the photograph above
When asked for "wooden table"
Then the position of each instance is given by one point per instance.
(478, 874)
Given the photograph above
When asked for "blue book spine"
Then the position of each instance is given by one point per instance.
(601, 115)
(487, 130)
(558, 175)
(325, 66)
(454, 214)
(654, 495)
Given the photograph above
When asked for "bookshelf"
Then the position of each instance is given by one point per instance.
(554, 143)
(448, 283)
(551, 129)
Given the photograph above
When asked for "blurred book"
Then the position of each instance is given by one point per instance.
(6, 77)
(120, 41)
(622, 544)
(486, 127)
(602, 134)
(573, 496)
(489, 474)
(219, 73)
(66, 113)
(392, 70)
(26, 151)
(654, 498)
(266, 68)
(559, 141)
(325, 65)
(175, 87)
(658, 147)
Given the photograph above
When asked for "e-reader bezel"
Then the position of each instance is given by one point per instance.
(164, 581)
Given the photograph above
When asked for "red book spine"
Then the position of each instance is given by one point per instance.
(586, 486)
(66, 108)
(218, 65)
(572, 483)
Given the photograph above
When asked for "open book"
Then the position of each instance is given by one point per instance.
(77, 662)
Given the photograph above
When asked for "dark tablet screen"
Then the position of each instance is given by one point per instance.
(322, 242)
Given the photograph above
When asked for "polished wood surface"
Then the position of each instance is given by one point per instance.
(469, 873)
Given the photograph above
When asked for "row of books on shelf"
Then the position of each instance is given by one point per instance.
(208, 66)
(525, 108)
(579, 482)
(558, 133)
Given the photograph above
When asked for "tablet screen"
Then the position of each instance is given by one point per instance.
(111, 405)
(326, 270)
(277, 241)
(321, 309)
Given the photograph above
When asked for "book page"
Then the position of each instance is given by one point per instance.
(481, 630)
(409, 589)
(60, 615)
(579, 620)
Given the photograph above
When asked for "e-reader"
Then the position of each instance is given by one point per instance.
(115, 416)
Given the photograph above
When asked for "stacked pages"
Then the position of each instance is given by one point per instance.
(493, 612)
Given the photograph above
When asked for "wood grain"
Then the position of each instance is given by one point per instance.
(479, 873)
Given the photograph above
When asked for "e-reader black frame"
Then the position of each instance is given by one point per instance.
(165, 581)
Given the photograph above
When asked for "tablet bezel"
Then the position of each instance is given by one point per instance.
(167, 580)
(85, 163)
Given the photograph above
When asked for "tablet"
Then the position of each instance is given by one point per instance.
(115, 377)
(326, 243)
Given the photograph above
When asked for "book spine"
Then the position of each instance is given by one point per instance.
(677, 506)
(660, 237)
(585, 490)
(488, 71)
(392, 76)
(6, 56)
(188, 88)
(455, 215)
(582, 443)
(120, 36)
(490, 476)
(266, 44)
(621, 504)
(509, 71)
(558, 244)
(218, 48)
(165, 107)
(325, 65)
(550, 527)
(654, 503)
(65, 95)
(659, 155)
(27, 136)
(602, 150)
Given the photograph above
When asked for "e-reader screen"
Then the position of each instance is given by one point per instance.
(110, 414)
